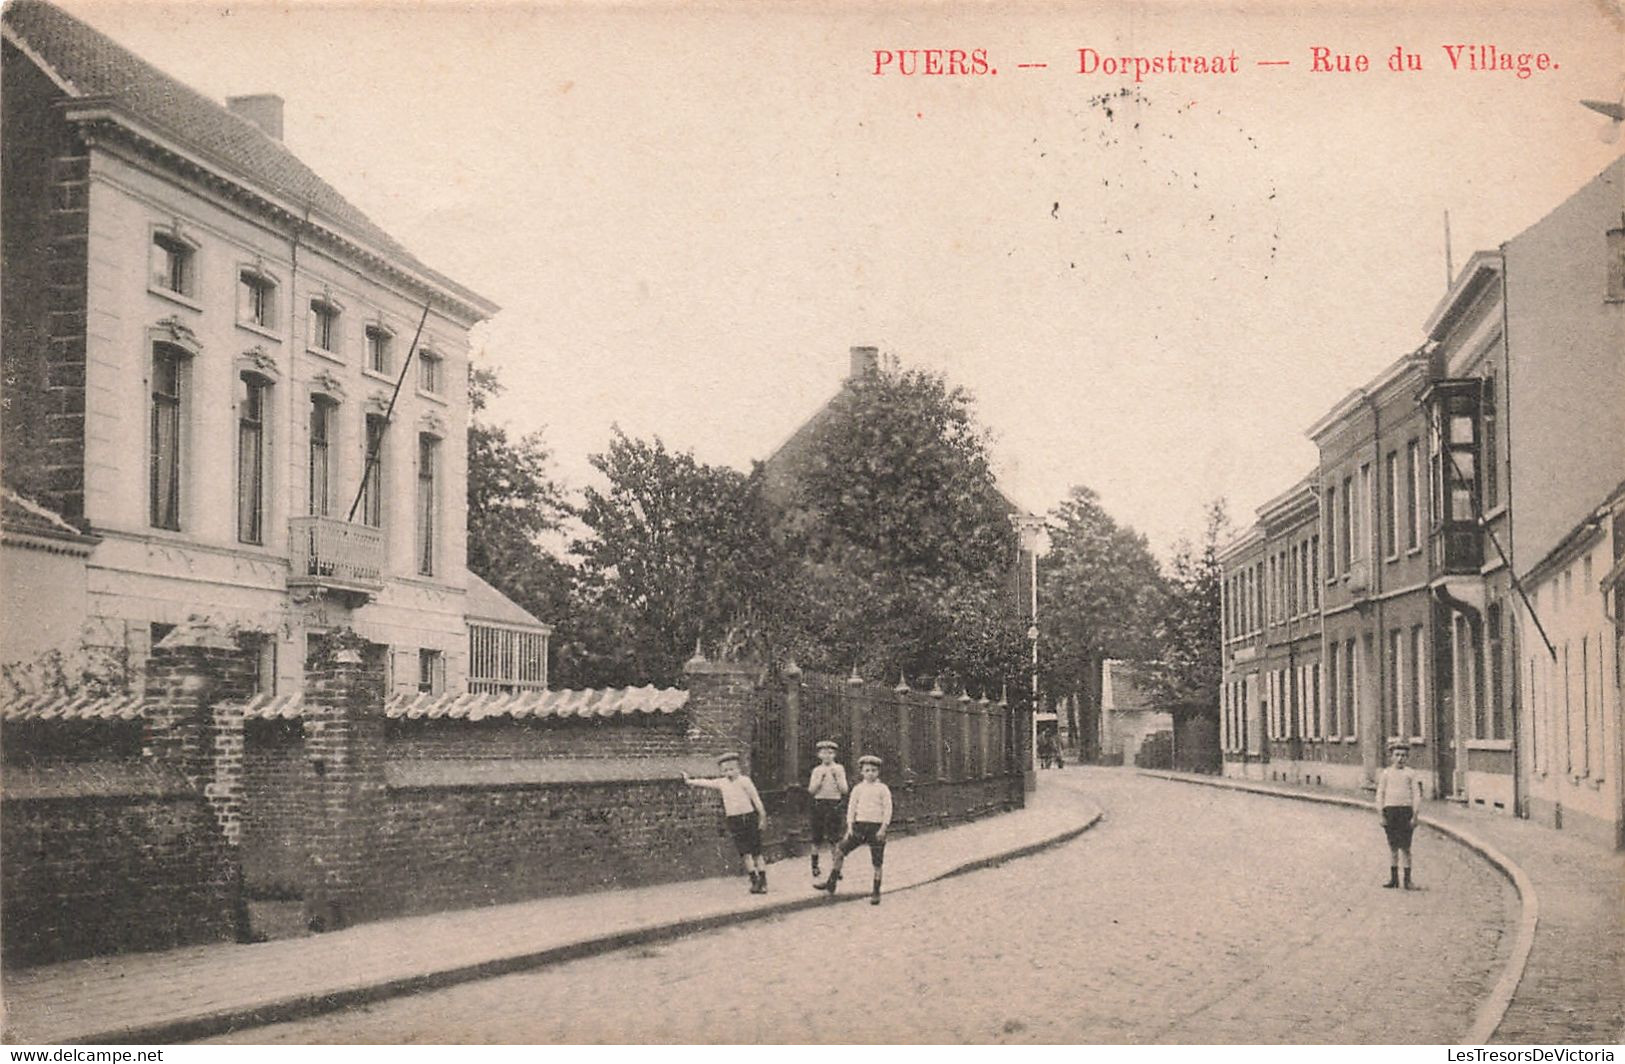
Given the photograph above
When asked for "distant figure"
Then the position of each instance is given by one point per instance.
(746, 816)
(1399, 800)
(1046, 750)
(868, 815)
(827, 787)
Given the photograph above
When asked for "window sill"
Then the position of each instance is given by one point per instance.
(1414, 551)
(1489, 744)
(260, 330)
(377, 376)
(323, 353)
(1351, 738)
(178, 298)
(433, 397)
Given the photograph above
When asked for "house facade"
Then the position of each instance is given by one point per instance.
(244, 398)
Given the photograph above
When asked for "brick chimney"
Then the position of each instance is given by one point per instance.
(263, 109)
(865, 360)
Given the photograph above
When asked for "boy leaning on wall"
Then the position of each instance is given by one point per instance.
(745, 814)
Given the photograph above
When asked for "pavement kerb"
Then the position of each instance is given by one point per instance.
(1494, 1006)
(300, 1006)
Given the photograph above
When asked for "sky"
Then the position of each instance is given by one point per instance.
(689, 213)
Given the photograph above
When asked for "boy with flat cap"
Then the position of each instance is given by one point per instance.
(827, 787)
(868, 815)
(1399, 801)
(742, 808)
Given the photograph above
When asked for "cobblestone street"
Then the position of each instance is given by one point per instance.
(1188, 915)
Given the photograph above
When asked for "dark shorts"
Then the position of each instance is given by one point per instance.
(826, 821)
(863, 834)
(1399, 823)
(747, 834)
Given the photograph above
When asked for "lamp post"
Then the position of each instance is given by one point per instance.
(1027, 528)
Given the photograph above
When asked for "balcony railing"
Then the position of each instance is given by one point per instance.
(330, 553)
(1458, 548)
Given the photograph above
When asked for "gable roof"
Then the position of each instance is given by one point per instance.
(89, 65)
(485, 603)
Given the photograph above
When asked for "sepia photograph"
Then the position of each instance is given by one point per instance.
(813, 523)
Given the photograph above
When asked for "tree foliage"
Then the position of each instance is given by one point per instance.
(1101, 589)
(676, 552)
(1188, 667)
(900, 540)
(513, 501)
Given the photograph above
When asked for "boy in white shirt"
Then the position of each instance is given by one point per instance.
(1399, 800)
(746, 816)
(868, 815)
(827, 786)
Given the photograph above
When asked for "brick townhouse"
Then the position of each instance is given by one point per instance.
(1464, 549)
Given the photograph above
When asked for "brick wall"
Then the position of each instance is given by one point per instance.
(461, 845)
(45, 227)
(640, 735)
(274, 781)
(107, 856)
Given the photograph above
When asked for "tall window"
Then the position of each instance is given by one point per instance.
(251, 458)
(1416, 699)
(322, 411)
(1413, 497)
(165, 480)
(1487, 425)
(1334, 724)
(256, 299)
(1351, 709)
(1314, 572)
(1497, 689)
(431, 671)
(372, 480)
(379, 357)
(1331, 532)
(324, 325)
(170, 264)
(429, 372)
(1394, 687)
(1391, 499)
(1347, 522)
(1363, 527)
(428, 461)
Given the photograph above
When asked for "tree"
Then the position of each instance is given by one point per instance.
(901, 539)
(1100, 595)
(513, 501)
(678, 552)
(1188, 667)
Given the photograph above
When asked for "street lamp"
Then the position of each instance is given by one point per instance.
(1028, 527)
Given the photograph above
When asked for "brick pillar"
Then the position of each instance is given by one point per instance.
(719, 702)
(344, 740)
(189, 672)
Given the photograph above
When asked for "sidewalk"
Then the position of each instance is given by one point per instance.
(1568, 991)
(195, 992)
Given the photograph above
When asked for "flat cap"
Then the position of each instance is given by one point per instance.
(870, 759)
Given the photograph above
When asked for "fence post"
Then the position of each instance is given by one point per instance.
(940, 766)
(854, 708)
(905, 761)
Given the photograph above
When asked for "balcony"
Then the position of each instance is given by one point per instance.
(335, 556)
(1457, 549)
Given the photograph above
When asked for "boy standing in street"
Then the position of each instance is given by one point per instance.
(827, 787)
(1399, 800)
(868, 815)
(746, 816)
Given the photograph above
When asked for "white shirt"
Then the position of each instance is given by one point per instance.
(738, 794)
(871, 803)
(1399, 788)
(828, 781)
